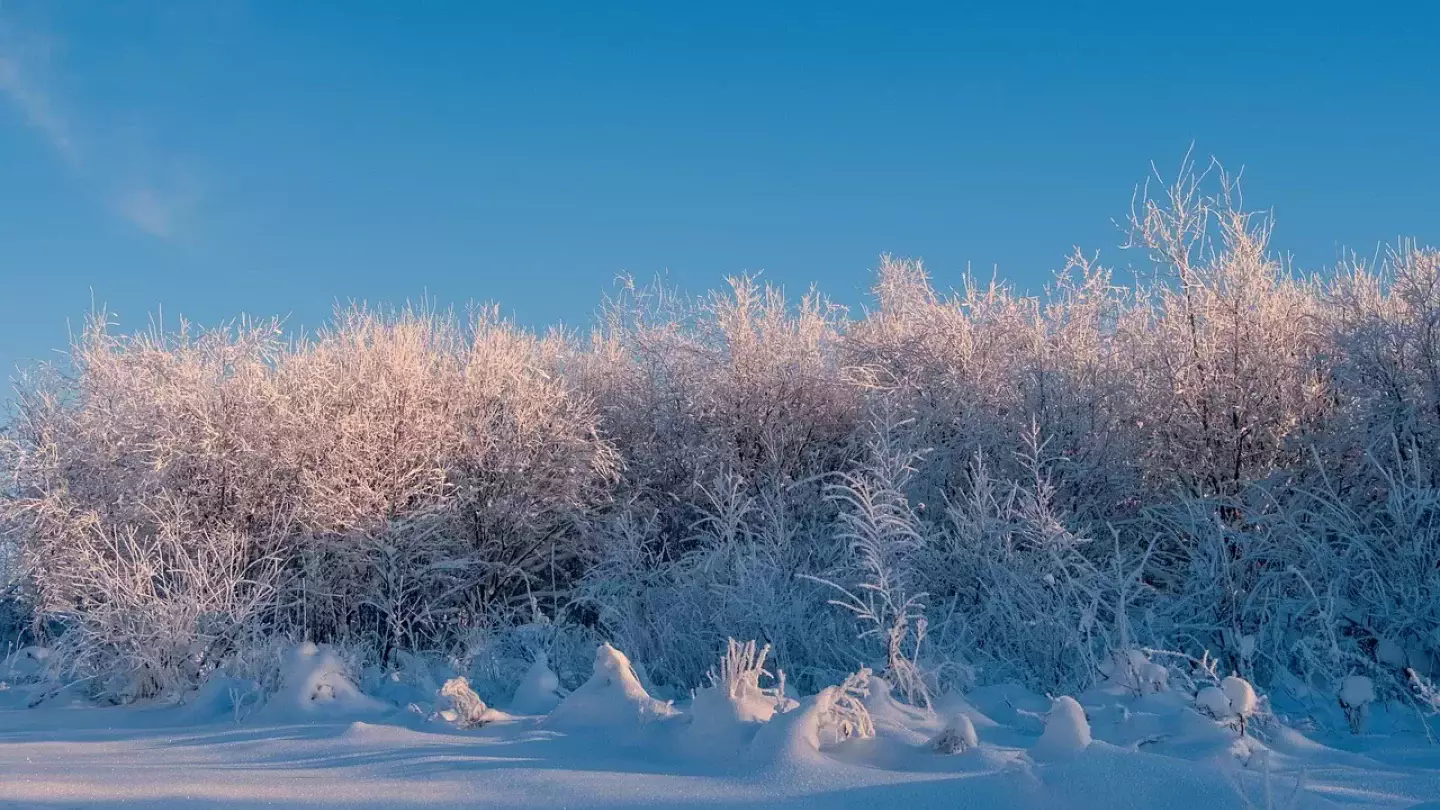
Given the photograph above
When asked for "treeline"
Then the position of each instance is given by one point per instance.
(1232, 457)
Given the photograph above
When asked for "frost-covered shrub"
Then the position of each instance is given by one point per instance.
(395, 480)
(844, 715)
(153, 616)
(1134, 672)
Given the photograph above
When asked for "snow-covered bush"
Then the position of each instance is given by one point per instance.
(1134, 672)
(846, 715)
(725, 715)
(736, 681)
(877, 579)
(1232, 702)
(394, 481)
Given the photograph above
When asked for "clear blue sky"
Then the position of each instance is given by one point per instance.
(272, 157)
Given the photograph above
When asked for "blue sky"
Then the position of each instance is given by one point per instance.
(273, 157)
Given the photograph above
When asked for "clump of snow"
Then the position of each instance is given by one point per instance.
(459, 706)
(1067, 731)
(957, 737)
(1213, 702)
(1241, 694)
(612, 698)
(539, 690)
(314, 681)
(1357, 692)
(794, 735)
(1234, 699)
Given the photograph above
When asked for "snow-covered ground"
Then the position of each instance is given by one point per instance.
(318, 743)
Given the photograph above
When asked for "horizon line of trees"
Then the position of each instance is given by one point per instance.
(1232, 458)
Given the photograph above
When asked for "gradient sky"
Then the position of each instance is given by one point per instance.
(273, 157)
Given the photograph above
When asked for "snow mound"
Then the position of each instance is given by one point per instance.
(887, 712)
(1067, 731)
(612, 698)
(314, 683)
(957, 737)
(539, 690)
(795, 736)
(834, 715)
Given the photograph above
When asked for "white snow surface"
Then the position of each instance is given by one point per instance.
(1149, 751)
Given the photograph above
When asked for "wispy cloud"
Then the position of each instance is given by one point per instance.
(34, 104)
(157, 213)
(26, 83)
